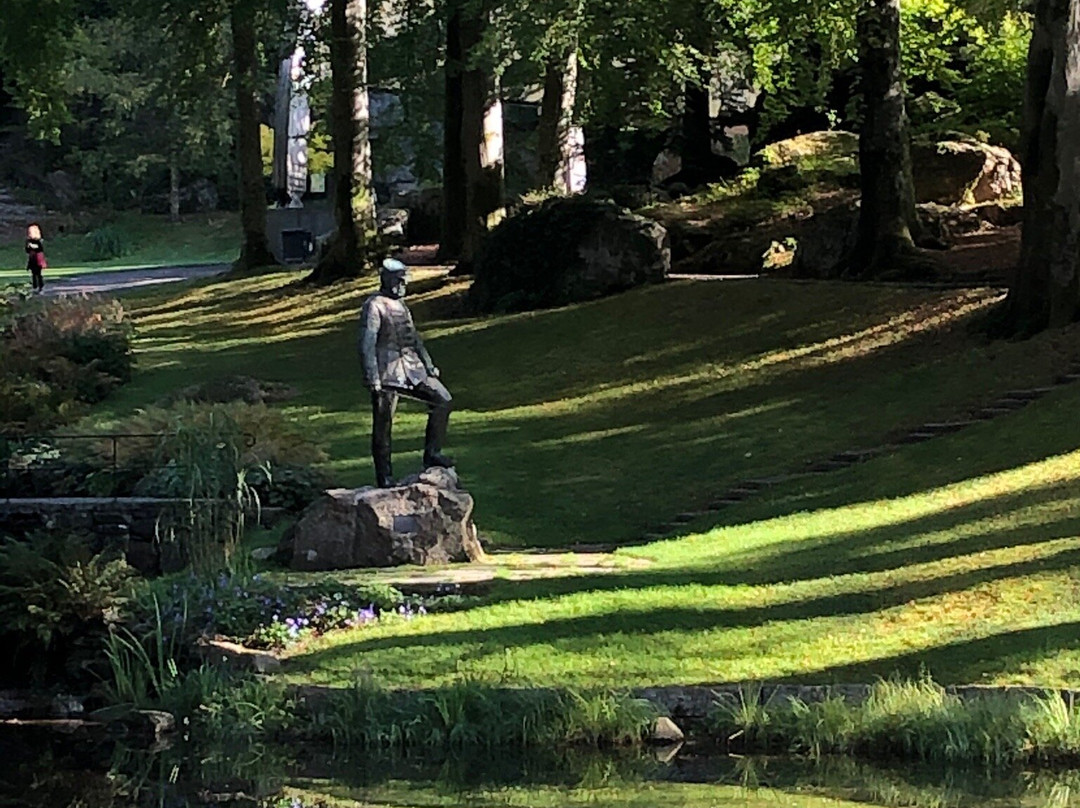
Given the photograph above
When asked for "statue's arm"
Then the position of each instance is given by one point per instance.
(369, 337)
(425, 357)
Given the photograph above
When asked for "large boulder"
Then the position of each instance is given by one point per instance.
(568, 250)
(425, 520)
(956, 172)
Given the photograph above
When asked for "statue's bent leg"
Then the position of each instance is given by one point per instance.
(434, 393)
(383, 406)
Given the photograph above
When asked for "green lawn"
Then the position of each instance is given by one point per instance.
(589, 423)
(150, 240)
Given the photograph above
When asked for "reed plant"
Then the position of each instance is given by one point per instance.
(143, 668)
(200, 466)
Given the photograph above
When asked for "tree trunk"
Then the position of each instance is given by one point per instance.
(1046, 289)
(888, 223)
(697, 153)
(354, 208)
(481, 145)
(556, 148)
(255, 250)
(174, 190)
(453, 217)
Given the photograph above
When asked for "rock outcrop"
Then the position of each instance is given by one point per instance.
(568, 250)
(956, 172)
(425, 520)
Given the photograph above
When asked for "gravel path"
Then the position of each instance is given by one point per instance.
(120, 280)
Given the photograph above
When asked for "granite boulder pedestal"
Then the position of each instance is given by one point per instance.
(425, 520)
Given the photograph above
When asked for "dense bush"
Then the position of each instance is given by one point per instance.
(270, 452)
(106, 242)
(57, 599)
(57, 356)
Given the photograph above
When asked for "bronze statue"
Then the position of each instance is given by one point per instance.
(397, 364)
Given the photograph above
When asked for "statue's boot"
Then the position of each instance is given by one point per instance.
(384, 474)
(437, 423)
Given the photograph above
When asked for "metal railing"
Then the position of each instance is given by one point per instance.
(42, 455)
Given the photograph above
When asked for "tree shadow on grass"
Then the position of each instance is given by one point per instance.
(963, 661)
(889, 547)
(583, 633)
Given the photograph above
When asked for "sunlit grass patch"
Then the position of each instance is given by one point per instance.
(150, 241)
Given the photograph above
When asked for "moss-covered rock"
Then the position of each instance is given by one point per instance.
(834, 152)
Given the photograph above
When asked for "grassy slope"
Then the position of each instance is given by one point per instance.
(593, 422)
(152, 241)
(588, 423)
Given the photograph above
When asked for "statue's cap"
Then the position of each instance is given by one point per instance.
(392, 266)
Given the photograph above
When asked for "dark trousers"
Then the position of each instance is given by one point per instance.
(36, 280)
(383, 406)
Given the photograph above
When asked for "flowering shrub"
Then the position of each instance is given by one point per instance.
(264, 613)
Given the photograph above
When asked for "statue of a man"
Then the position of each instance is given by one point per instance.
(397, 364)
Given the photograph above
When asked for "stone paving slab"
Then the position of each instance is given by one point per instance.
(500, 566)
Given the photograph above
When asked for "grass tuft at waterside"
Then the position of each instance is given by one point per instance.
(907, 719)
(476, 715)
(468, 715)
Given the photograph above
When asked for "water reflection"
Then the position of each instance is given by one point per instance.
(84, 771)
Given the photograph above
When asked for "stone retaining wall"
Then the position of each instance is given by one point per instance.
(127, 524)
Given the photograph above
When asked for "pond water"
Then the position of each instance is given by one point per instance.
(55, 771)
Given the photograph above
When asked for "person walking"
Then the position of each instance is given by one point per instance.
(35, 257)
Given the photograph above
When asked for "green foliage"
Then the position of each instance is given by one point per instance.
(964, 73)
(201, 465)
(106, 242)
(233, 441)
(57, 599)
(144, 669)
(260, 435)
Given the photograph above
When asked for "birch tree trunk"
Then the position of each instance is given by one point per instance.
(556, 149)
